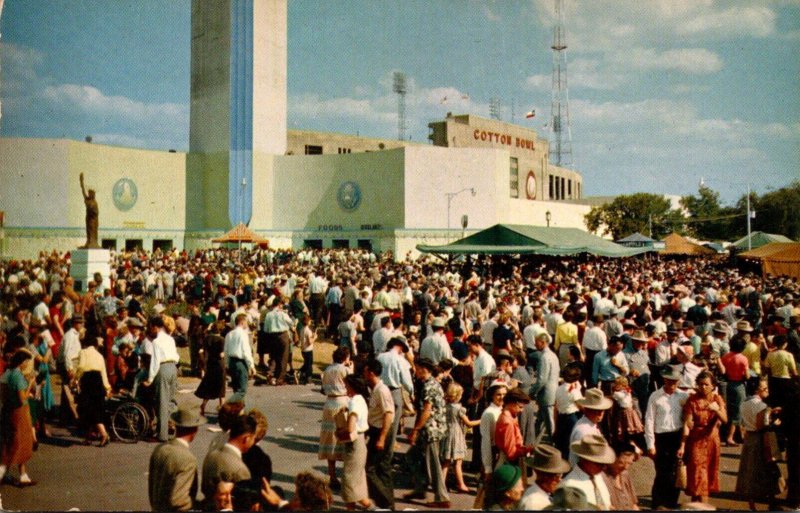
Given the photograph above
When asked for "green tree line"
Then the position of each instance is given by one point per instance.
(703, 215)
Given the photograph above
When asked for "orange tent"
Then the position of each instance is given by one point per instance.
(778, 258)
(241, 234)
(674, 244)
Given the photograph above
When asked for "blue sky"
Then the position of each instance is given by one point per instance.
(662, 93)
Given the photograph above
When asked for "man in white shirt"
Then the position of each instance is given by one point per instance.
(381, 337)
(549, 467)
(67, 356)
(593, 455)
(594, 406)
(163, 374)
(239, 358)
(594, 341)
(533, 330)
(663, 426)
(435, 347)
(483, 363)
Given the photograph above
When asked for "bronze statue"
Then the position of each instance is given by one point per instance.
(92, 218)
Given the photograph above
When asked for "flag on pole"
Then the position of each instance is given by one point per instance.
(530, 114)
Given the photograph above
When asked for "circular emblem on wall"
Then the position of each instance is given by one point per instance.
(530, 185)
(349, 196)
(125, 194)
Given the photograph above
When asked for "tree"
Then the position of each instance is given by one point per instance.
(632, 213)
(778, 211)
(707, 218)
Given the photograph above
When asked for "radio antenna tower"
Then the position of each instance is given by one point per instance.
(560, 131)
(399, 86)
(494, 108)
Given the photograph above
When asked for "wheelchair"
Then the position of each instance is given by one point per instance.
(129, 420)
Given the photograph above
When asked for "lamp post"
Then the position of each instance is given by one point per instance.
(450, 196)
(548, 216)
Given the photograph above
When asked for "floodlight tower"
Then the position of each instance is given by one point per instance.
(560, 131)
(494, 108)
(399, 86)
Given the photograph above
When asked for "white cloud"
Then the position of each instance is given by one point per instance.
(696, 61)
(92, 101)
(756, 21)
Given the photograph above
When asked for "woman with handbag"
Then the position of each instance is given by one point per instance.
(703, 413)
(354, 476)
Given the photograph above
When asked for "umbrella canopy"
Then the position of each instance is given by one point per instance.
(513, 239)
(677, 245)
(241, 233)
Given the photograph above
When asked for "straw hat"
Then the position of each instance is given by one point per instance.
(594, 400)
(744, 326)
(593, 447)
(547, 458)
(670, 372)
(639, 336)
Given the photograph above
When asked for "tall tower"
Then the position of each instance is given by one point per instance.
(400, 87)
(238, 106)
(494, 108)
(560, 131)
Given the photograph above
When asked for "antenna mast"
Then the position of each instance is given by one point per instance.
(560, 131)
(399, 86)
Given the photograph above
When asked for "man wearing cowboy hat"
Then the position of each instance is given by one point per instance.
(594, 406)
(544, 390)
(593, 454)
(663, 425)
(549, 467)
(639, 368)
(172, 479)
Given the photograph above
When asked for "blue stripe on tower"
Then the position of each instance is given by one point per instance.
(240, 167)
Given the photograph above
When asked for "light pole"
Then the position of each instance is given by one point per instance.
(548, 216)
(450, 196)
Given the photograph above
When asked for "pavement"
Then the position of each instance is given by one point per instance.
(114, 477)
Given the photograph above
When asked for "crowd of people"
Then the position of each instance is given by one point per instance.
(538, 381)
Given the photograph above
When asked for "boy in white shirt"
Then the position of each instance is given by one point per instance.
(307, 339)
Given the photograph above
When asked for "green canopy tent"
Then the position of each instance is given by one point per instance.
(758, 239)
(514, 239)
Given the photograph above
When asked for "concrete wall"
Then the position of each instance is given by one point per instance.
(34, 182)
(432, 172)
(269, 76)
(306, 188)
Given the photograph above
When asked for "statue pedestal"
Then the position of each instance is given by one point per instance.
(87, 262)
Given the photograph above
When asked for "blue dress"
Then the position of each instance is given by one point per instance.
(44, 376)
(454, 443)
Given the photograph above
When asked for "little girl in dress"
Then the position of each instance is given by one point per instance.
(454, 444)
(625, 422)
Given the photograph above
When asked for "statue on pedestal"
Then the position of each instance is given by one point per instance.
(92, 217)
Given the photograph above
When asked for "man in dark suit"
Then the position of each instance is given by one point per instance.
(172, 481)
(225, 463)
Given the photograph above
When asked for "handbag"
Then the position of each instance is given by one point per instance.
(680, 475)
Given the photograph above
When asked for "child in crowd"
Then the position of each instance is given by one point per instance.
(454, 444)
(306, 343)
(566, 411)
(625, 422)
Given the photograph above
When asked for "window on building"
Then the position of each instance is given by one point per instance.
(133, 244)
(514, 177)
(552, 191)
(365, 244)
(109, 244)
(569, 189)
(344, 150)
(563, 188)
(313, 150)
(578, 192)
(558, 189)
(341, 243)
(312, 243)
(162, 244)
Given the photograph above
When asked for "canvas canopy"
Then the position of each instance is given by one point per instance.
(510, 239)
(674, 244)
(241, 234)
(777, 258)
(759, 239)
(636, 238)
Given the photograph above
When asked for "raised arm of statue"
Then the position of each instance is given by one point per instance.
(83, 189)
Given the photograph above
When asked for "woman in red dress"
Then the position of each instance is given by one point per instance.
(57, 320)
(700, 446)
